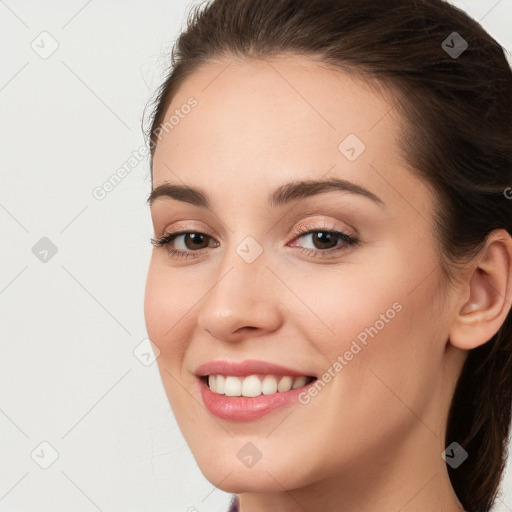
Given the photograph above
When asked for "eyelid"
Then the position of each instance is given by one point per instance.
(189, 227)
(325, 214)
(313, 221)
(332, 225)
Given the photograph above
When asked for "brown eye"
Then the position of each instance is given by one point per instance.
(324, 239)
(194, 241)
(184, 244)
(323, 243)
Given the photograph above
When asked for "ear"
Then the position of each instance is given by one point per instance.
(489, 285)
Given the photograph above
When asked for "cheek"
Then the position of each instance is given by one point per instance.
(156, 303)
(396, 375)
(335, 306)
(169, 296)
(167, 300)
(380, 323)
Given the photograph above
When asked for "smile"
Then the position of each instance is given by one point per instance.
(250, 389)
(255, 385)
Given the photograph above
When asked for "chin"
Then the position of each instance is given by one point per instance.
(228, 474)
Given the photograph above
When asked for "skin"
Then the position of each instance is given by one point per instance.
(372, 438)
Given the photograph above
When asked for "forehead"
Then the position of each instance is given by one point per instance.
(259, 123)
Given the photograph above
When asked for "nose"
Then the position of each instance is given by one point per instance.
(242, 301)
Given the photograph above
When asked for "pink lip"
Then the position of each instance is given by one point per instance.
(241, 408)
(244, 368)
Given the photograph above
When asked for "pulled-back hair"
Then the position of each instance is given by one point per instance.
(457, 112)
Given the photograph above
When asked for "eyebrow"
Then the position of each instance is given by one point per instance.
(282, 195)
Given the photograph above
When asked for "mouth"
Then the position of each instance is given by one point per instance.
(254, 385)
(250, 389)
(251, 397)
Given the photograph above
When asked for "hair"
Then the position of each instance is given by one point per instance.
(457, 137)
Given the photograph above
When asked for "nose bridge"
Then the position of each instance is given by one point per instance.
(241, 295)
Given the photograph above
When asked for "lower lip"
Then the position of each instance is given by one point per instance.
(241, 408)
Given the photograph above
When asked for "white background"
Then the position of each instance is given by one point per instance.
(69, 326)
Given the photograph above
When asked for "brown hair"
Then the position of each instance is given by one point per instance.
(458, 113)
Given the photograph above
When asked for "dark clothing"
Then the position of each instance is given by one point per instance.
(234, 506)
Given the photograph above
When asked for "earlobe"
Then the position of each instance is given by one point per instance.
(490, 289)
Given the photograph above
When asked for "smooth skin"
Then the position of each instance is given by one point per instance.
(372, 438)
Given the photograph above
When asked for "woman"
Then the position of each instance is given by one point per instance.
(331, 281)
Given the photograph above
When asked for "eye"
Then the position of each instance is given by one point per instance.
(190, 242)
(323, 242)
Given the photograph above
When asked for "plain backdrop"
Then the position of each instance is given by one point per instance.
(84, 422)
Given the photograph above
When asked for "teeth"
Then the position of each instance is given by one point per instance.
(299, 382)
(254, 385)
(233, 386)
(285, 384)
(220, 384)
(251, 386)
(269, 385)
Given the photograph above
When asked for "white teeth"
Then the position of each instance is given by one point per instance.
(254, 385)
(233, 386)
(251, 386)
(269, 385)
(285, 384)
(220, 382)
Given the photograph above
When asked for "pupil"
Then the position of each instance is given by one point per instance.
(196, 239)
(327, 238)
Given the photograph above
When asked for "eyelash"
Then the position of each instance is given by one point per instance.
(350, 241)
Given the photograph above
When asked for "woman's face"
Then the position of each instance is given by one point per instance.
(261, 279)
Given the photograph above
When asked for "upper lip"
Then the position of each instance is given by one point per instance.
(245, 368)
